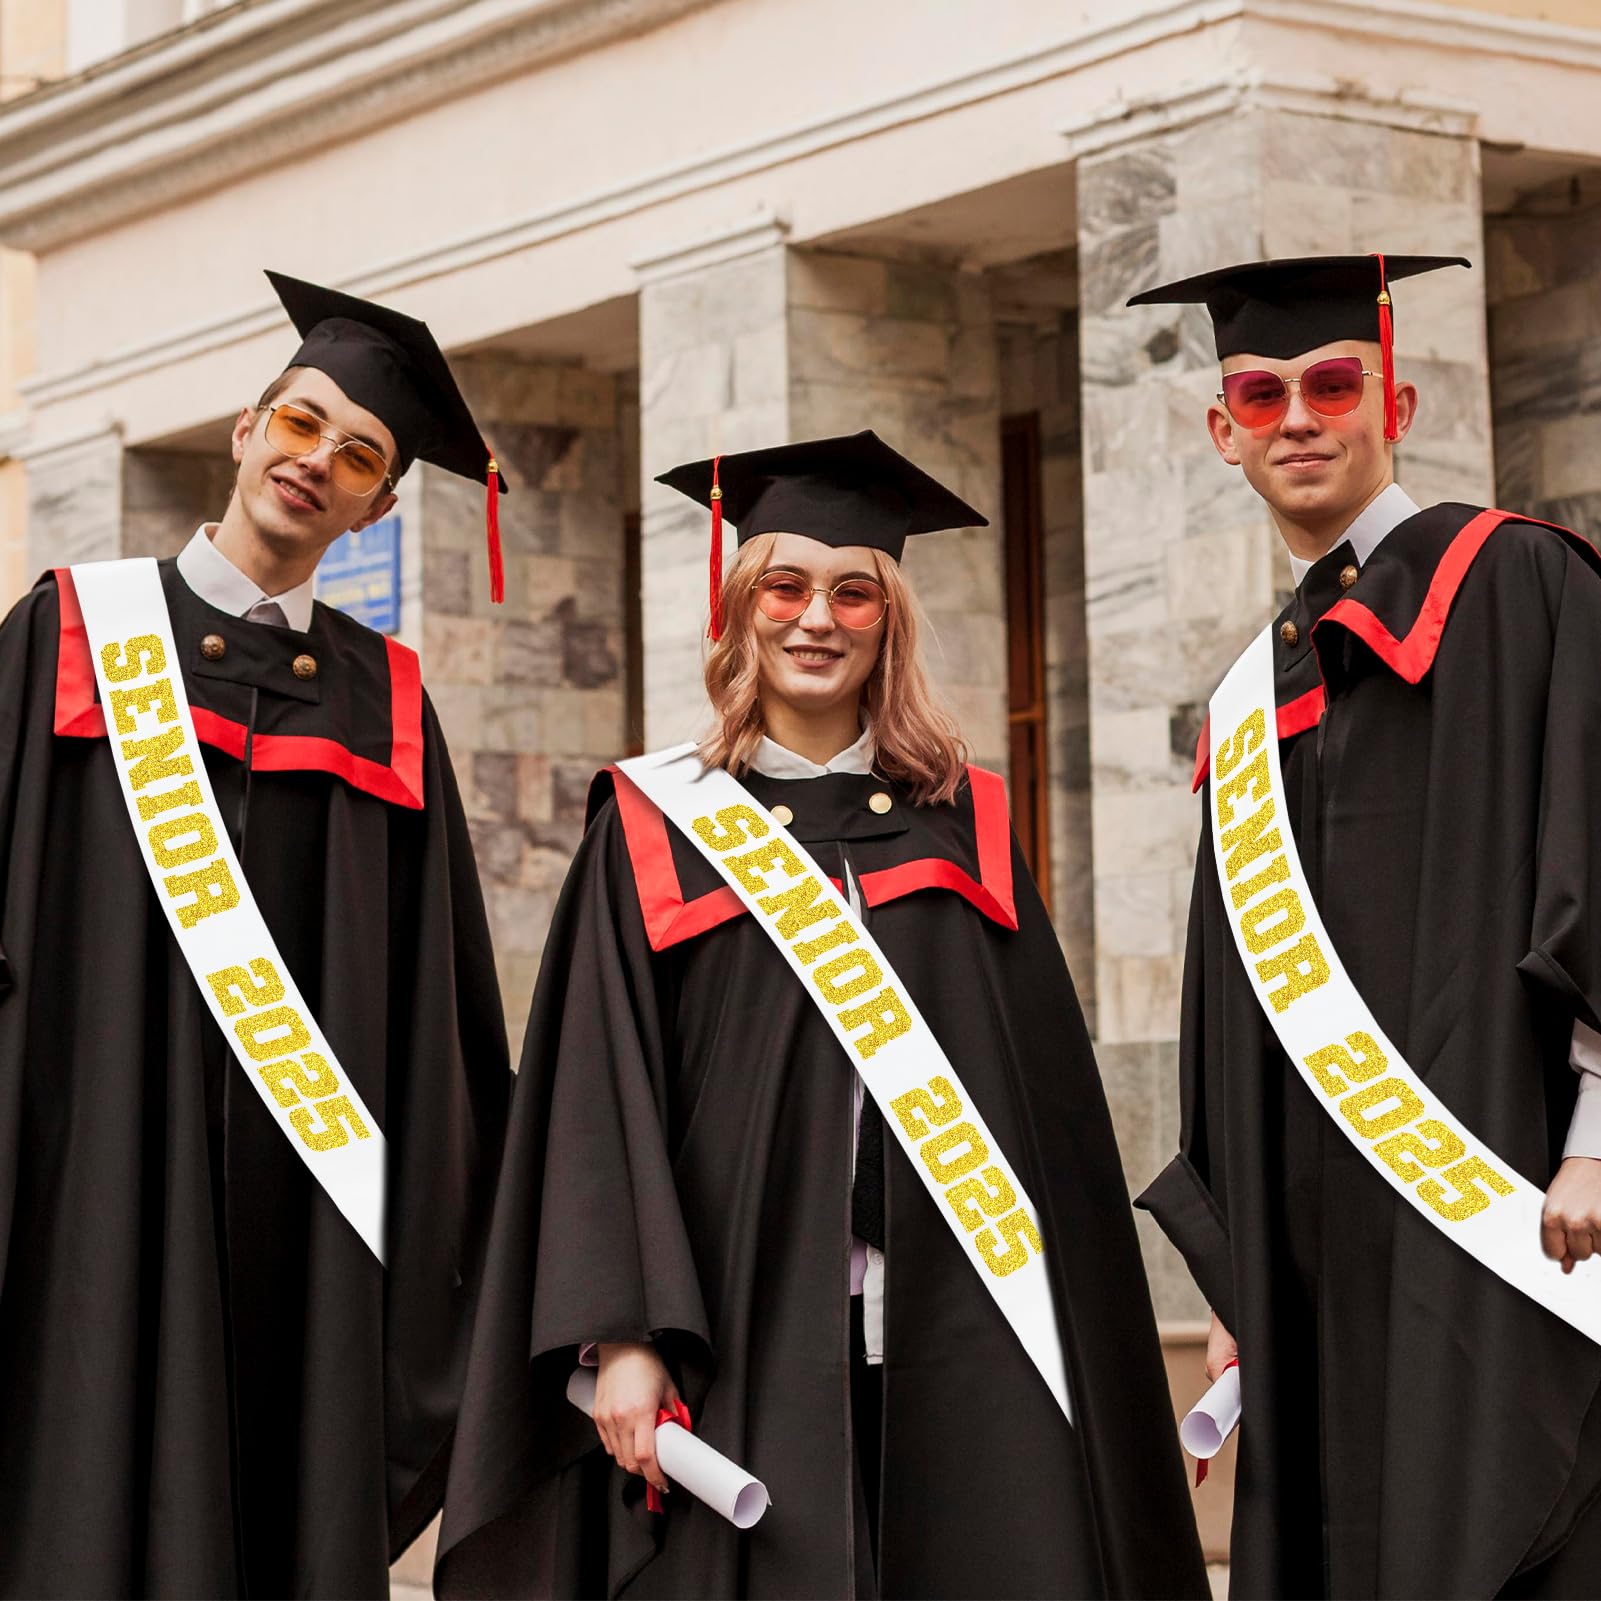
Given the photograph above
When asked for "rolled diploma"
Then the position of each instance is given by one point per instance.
(1213, 1418)
(708, 1475)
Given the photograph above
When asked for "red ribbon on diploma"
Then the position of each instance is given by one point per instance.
(1203, 1464)
(677, 1413)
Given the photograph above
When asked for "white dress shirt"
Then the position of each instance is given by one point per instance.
(1389, 508)
(219, 583)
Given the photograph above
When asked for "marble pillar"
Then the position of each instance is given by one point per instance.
(75, 502)
(530, 694)
(91, 500)
(1182, 563)
(1545, 353)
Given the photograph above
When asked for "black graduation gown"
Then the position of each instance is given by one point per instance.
(1412, 1425)
(208, 1386)
(679, 1168)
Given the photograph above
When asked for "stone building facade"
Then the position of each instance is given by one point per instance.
(648, 230)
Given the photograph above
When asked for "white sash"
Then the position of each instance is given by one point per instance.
(209, 907)
(1411, 1140)
(850, 981)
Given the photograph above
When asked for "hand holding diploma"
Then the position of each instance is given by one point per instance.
(1212, 1419)
(707, 1474)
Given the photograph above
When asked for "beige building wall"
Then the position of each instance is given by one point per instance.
(32, 47)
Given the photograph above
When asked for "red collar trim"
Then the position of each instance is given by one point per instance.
(1294, 717)
(992, 892)
(80, 716)
(1412, 657)
(1409, 658)
(670, 919)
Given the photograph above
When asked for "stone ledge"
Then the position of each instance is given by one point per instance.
(206, 104)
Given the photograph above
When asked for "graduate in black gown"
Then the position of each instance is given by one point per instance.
(1412, 1425)
(678, 1199)
(208, 1384)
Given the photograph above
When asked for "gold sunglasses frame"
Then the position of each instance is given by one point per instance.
(337, 440)
(1295, 382)
(817, 589)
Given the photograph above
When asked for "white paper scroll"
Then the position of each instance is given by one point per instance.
(1213, 1418)
(708, 1475)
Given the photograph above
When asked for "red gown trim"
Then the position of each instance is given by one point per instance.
(400, 782)
(670, 919)
(1294, 717)
(1409, 658)
(1412, 657)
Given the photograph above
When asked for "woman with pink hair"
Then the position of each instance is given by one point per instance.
(854, 1201)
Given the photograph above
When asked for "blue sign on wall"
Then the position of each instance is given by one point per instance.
(360, 576)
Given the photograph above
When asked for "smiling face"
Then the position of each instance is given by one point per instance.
(1316, 472)
(813, 665)
(293, 502)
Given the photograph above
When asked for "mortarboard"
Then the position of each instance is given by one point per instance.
(391, 365)
(849, 490)
(1282, 308)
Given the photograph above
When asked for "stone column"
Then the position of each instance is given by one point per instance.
(91, 500)
(530, 693)
(74, 501)
(1545, 351)
(713, 378)
(1182, 563)
(787, 344)
(167, 494)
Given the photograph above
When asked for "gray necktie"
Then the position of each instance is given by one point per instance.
(267, 611)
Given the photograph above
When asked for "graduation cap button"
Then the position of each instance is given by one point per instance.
(304, 667)
(1290, 634)
(213, 647)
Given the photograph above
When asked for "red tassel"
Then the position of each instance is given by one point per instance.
(497, 565)
(677, 1413)
(716, 629)
(1392, 426)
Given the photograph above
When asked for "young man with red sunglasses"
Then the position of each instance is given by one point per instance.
(253, 1070)
(1410, 863)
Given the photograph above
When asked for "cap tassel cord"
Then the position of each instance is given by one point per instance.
(497, 564)
(716, 573)
(1392, 426)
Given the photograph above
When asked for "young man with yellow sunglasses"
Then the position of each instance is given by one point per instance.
(253, 1066)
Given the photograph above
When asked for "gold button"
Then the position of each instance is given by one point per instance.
(783, 816)
(304, 666)
(1348, 575)
(213, 647)
(879, 802)
(1290, 634)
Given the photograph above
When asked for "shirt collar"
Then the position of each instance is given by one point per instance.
(219, 583)
(773, 760)
(1392, 505)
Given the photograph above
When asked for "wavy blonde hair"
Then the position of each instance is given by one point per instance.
(917, 740)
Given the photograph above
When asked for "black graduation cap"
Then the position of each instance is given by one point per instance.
(849, 490)
(1282, 308)
(391, 365)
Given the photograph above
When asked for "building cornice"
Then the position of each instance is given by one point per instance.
(263, 83)
(760, 230)
(1126, 121)
(173, 118)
